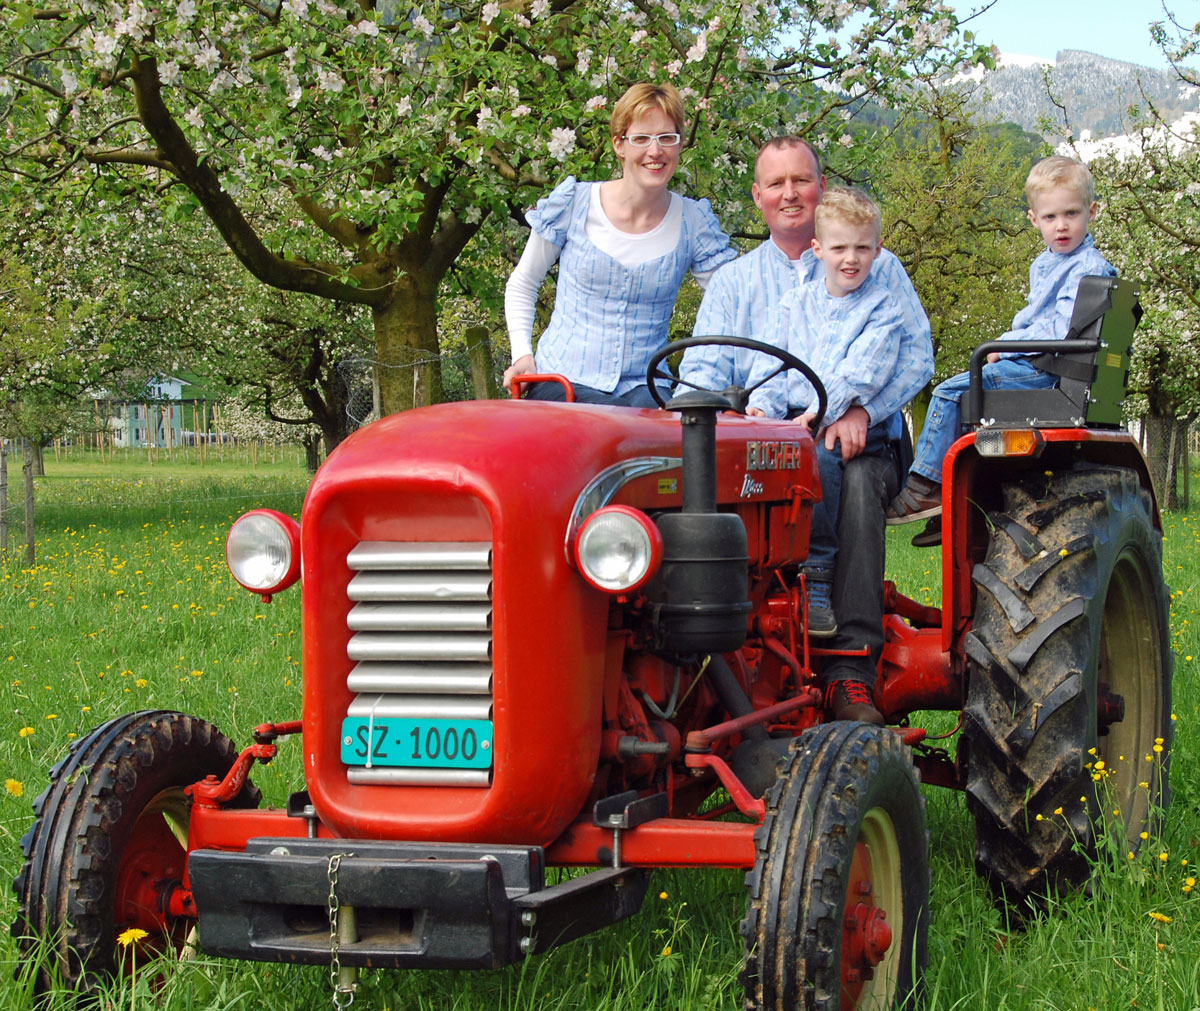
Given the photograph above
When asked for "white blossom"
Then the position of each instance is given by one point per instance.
(550, 61)
(472, 215)
(297, 8)
(194, 116)
(168, 72)
(595, 102)
(185, 11)
(696, 53)
(404, 106)
(674, 67)
(294, 91)
(422, 24)
(330, 80)
(365, 27)
(209, 58)
(490, 12)
(322, 152)
(561, 143)
(69, 81)
(846, 140)
(582, 60)
(638, 37)
(539, 9)
(486, 121)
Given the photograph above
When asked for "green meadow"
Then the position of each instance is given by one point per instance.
(130, 606)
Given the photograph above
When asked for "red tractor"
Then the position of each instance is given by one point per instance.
(544, 635)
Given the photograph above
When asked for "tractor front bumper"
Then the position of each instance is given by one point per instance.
(401, 905)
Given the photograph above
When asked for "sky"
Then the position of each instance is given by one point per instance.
(1114, 28)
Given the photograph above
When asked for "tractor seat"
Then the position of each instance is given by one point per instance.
(1092, 363)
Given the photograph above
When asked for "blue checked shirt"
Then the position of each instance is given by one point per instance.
(1053, 285)
(608, 320)
(739, 300)
(852, 343)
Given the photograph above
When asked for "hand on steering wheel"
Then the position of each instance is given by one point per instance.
(737, 394)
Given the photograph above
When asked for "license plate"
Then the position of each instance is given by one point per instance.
(428, 744)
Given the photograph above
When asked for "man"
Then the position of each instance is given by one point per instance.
(740, 298)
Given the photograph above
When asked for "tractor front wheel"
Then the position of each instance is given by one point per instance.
(838, 909)
(109, 841)
(1067, 726)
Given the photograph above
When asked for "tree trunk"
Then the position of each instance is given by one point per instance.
(3, 500)
(1164, 451)
(312, 451)
(483, 371)
(39, 460)
(406, 340)
(28, 468)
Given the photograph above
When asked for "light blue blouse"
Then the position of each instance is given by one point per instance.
(608, 320)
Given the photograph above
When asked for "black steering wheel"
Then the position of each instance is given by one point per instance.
(737, 395)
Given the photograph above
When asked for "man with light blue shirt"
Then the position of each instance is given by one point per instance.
(855, 487)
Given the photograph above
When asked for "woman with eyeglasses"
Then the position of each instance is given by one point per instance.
(623, 248)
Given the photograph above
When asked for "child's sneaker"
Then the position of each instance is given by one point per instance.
(818, 590)
(919, 499)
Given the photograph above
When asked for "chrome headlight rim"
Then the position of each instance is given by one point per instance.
(629, 532)
(262, 551)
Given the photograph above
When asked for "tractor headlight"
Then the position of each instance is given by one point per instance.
(263, 551)
(618, 548)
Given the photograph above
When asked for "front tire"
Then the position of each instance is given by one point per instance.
(1070, 627)
(838, 908)
(108, 841)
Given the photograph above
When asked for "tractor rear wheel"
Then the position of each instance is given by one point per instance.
(838, 907)
(1068, 724)
(109, 840)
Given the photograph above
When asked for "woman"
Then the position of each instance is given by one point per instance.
(624, 246)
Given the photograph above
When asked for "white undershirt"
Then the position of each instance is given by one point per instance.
(629, 249)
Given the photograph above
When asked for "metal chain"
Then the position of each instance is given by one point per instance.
(343, 994)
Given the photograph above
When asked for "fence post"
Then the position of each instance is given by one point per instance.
(479, 351)
(29, 556)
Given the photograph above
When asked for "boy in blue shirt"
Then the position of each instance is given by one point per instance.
(1061, 205)
(848, 328)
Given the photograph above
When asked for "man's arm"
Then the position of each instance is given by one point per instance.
(713, 367)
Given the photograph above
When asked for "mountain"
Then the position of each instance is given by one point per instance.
(1095, 90)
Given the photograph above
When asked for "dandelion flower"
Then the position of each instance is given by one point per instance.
(131, 936)
(25, 731)
(666, 951)
(14, 787)
(1159, 917)
(662, 895)
(1163, 857)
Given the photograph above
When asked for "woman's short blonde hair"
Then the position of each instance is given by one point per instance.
(643, 98)
(1059, 170)
(848, 205)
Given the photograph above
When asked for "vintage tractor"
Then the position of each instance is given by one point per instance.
(542, 635)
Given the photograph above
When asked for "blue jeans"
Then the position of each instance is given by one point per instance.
(942, 427)
(639, 396)
(823, 539)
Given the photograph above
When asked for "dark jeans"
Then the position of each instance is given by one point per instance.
(824, 538)
(869, 482)
(639, 396)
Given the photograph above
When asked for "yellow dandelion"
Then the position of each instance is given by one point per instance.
(1159, 917)
(662, 895)
(1132, 855)
(1163, 857)
(25, 731)
(1038, 818)
(141, 682)
(1100, 765)
(52, 716)
(1058, 810)
(1145, 835)
(14, 787)
(131, 936)
(666, 951)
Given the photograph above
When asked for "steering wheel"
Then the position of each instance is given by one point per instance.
(737, 395)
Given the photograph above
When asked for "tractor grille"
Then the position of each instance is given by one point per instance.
(421, 636)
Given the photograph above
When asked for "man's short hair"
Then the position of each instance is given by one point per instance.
(783, 143)
(849, 205)
(1059, 170)
(640, 100)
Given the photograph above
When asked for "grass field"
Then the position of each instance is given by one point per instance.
(130, 606)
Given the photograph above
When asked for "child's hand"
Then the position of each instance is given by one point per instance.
(993, 356)
(755, 412)
(806, 419)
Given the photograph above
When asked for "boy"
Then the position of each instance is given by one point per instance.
(1061, 206)
(848, 328)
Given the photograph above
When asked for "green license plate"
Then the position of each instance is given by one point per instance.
(428, 744)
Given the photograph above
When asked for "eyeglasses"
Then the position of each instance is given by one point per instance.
(646, 139)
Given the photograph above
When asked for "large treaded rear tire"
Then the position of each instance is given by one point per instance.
(108, 840)
(843, 843)
(1071, 612)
